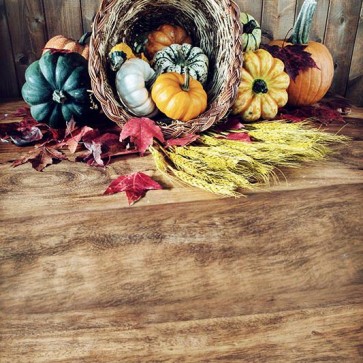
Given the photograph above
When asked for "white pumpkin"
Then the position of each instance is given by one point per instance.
(131, 81)
(178, 57)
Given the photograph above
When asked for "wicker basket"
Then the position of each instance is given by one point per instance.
(214, 27)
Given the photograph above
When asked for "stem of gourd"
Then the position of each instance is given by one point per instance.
(302, 27)
(84, 37)
(185, 85)
(59, 97)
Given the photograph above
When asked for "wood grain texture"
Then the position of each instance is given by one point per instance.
(278, 18)
(89, 10)
(24, 24)
(9, 83)
(63, 17)
(252, 7)
(28, 33)
(355, 84)
(340, 35)
(184, 275)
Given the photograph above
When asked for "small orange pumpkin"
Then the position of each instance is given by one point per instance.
(311, 85)
(164, 36)
(63, 43)
(179, 97)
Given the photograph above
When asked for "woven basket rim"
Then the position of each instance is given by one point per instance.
(216, 111)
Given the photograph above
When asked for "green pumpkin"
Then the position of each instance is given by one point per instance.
(56, 88)
(179, 57)
(251, 36)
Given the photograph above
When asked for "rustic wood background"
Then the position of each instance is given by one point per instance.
(25, 25)
(183, 275)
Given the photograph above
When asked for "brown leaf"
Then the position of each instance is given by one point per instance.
(40, 158)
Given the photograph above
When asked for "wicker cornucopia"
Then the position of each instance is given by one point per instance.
(214, 27)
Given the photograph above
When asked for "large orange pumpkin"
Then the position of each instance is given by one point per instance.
(164, 36)
(63, 43)
(311, 85)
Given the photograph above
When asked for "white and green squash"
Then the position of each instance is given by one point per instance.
(179, 57)
(251, 36)
(132, 80)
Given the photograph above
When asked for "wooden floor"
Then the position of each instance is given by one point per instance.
(183, 275)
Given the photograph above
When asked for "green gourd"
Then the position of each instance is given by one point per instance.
(56, 88)
(251, 36)
(179, 57)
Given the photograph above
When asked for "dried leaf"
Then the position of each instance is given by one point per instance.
(295, 58)
(141, 132)
(73, 140)
(21, 133)
(318, 112)
(40, 158)
(134, 185)
(182, 141)
(22, 112)
(239, 136)
(232, 123)
(103, 146)
(338, 103)
(27, 136)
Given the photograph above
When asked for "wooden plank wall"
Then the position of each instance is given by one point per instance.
(25, 25)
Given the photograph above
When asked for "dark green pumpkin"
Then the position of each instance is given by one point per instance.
(56, 88)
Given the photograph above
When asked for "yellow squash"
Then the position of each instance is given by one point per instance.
(263, 86)
(120, 53)
(179, 97)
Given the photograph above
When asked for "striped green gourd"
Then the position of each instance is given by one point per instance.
(251, 36)
(179, 57)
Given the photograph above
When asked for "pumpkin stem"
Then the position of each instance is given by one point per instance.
(185, 85)
(84, 37)
(302, 27)
(59, 96)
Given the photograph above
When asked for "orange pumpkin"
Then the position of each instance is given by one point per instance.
(311, 85)
(62, 43)
(179, 97)
(164, 36)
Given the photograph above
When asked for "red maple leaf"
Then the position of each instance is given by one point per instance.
(239, 136)
(294, 56)
(134, 185)
(74, 137)
(141, 132)
(182, 141)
